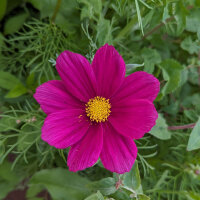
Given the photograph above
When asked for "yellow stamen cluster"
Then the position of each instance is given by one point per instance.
(98, 109)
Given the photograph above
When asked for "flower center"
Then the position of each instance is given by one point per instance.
(98, 109)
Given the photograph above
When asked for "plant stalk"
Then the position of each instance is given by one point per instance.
(56, 11)
(181, 127)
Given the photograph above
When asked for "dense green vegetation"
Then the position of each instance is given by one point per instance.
(159, 37)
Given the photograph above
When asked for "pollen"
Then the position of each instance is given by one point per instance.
(98, 109)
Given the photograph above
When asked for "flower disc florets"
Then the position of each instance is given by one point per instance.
(98, 109)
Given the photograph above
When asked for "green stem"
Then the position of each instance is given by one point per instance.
(126, 30)
(56, 11)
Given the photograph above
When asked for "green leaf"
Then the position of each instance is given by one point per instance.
(106, 186)
(17, 91)
(33, 191)
(194, 140)
(104, 32)
(2, 148)
(3, 4)
(190, 46)
(36, 3)
(192, 20)
(198, 33)
(131, 67)
(192, 195)
(61, 184)
(7, 123)
(172, 73)
(12, 4)
(13, 24)
(96, 196)
(151, 58)
(191, 114)
(30, 81)
(64, 16)
(132, 178)
(139, 16)
(166, 14)
(91, 8)
(8, 81)
(143, 197)
(148, 17)
(8, 179)
(176, 26)
(121, 194)
(36, 198)
(193, 75)
(28, 139)
(160, 130)
(184, 76)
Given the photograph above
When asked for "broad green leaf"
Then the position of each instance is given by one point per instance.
(91, 8)
(3, 4)
(36, 3)
(191, 114)
(151, 58)
(131, 67)
(61, 184)
(8, 81)
(13, 24)
(2, 148)
(37, 198)
(6, 173)
(172, 108)
(17, 91)
(192, 20)
(64, 15)
(30, 81)
(193, 75)
(12, 4)
(160, 130)
(96, 196)
(194, 140)
(177, 25)
(132, 178)
(198, 33)
(147, 19)
(190, 46)
(166, 13)
(33, 191)
(106, 186)
(143, 197)
(104, 32)
(8, 179)
(121, 195)
(192, 100)
(171, 73)
(184, 76)
(1, 44)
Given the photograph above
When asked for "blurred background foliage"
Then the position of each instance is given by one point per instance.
(161, 37)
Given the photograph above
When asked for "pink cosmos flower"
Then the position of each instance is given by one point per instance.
(96, 110)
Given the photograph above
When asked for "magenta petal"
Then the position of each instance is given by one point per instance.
(109, 69)
(133, 118)
(86, 152)
(139, 85)
(64, 128)
(77, 74)
(118, 153)
(52, 97)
